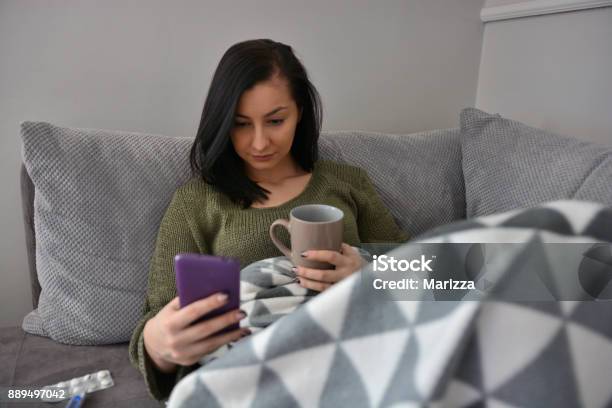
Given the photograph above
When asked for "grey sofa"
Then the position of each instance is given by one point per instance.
(34, 360)
(421, 180)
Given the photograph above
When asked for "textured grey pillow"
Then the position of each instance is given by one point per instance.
(418, 176)
(100, 196)
(508, 165)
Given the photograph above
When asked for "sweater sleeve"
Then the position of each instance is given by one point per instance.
(374, 221)
(174, 236)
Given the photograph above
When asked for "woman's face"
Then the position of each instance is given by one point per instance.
(264, 126)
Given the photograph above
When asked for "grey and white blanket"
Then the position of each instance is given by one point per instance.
(269, 290)
(351, 346)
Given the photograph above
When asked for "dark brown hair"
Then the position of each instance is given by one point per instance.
(243, 65)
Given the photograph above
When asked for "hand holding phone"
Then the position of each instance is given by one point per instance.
(199, 276)
(201, 319)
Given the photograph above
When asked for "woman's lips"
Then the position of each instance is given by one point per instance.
(263, 158)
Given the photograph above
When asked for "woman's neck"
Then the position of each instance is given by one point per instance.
(276, 175)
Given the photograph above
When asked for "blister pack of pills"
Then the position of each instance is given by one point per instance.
(80, 385)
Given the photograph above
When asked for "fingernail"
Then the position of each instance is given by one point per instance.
(245, 333)
(294, 269)
(304, 254)
(221, 297)
(241, 314)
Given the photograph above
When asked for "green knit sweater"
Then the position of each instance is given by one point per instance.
(202, 220)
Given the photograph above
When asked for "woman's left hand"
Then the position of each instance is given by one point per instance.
(346, 262)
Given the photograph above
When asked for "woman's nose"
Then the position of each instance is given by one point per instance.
(260, 140)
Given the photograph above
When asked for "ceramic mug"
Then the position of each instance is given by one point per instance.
(311, 226)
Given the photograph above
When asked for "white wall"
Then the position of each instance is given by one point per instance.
(551, 71)
(144, 65)
(495, 3)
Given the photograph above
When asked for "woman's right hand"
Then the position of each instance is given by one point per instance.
(170, 340)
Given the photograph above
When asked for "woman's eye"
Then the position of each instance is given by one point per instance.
(274, 122)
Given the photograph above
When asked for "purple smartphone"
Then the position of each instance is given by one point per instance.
(199, 276)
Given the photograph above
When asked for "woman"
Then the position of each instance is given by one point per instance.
(254, 158)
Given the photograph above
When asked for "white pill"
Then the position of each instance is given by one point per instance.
(102, 374)
(105, 382)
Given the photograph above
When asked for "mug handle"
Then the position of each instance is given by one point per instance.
(280, 223)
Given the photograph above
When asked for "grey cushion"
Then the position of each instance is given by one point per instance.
(100, 196)
(509, 165)
(418, 176)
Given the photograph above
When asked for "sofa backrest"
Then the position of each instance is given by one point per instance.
(418, 176)
(93, 200)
